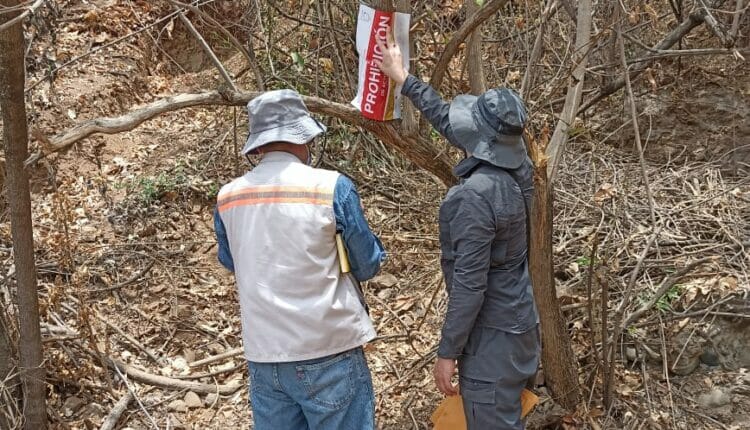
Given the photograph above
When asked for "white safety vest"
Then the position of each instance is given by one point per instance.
(295, 302)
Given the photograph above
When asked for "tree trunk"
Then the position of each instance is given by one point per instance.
(7, 364)
(15, 137)
(558, 361)
(474, 54)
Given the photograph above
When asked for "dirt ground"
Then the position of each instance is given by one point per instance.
(127, 256)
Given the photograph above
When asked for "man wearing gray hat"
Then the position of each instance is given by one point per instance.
(303, 321)
(491, 327)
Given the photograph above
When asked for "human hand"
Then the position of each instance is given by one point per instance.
(444, 370)
(392, 63)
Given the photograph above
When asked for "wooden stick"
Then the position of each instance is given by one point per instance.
(248, 53)
(127, 282)
(634, 117)
(171, 383)
(111, 421)
(207, 49)
(22, 16)
(223, 356)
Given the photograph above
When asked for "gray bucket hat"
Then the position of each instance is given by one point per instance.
(280, 116)
(491, 126)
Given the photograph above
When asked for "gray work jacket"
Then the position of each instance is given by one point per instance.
(483, 239)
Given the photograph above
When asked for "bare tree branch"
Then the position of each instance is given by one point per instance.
(206, 48)
(474, 53)
(693, 20)
(458, 38)
(419, 151)
(536, 51)
(247, 53)
(31, 9)
(575, 89)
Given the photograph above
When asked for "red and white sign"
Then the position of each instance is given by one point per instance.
(378, 97)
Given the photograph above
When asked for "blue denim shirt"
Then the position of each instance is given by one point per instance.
(366, 252)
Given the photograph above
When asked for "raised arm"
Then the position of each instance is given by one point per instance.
(424, 97)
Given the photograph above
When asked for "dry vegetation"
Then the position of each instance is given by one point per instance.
(123, 222)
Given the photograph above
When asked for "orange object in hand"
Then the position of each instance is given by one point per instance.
(449, 414)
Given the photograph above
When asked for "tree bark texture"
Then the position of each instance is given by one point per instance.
(15, 138)
(8, 391)
(474, 54)
(558, 361)
(575, 89)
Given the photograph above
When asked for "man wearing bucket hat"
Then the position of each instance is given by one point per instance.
(303, 320)
(491, 326)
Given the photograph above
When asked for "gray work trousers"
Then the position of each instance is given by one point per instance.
(493, 371)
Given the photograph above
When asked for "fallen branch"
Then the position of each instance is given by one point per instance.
(171, 383)
(126, 282)
(665, 285)
(419, 151)
(223, 356)
(114, 416)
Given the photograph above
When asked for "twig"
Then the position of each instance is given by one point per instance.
(206, 48)
(171, 383)
(536, 51)
(214, 373)
(694, 20)
(223, 356)
(31, 9)
(590, 301)
(114, 416)
(468, 27)
(248, 53)
(133, 341)
(634, 118)
(438, 284)
(137, 399)
(715, 27)
(738, 14)
(665, 285)
(127, 282)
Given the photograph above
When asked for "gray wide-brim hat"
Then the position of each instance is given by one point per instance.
(491, 126)
(280, 116)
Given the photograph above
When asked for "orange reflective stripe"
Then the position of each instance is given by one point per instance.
(268, 188)
(274, 194)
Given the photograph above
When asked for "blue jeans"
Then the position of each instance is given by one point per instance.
(328, 393)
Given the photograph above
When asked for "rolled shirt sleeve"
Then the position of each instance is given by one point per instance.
(225, 254)
(472, 232)
(366, 252)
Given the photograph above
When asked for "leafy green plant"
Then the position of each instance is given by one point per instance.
(150, 189)
(665, 302)
(583, 261)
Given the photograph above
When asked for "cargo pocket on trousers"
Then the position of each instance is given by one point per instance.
(330, 383)
(479, 395)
